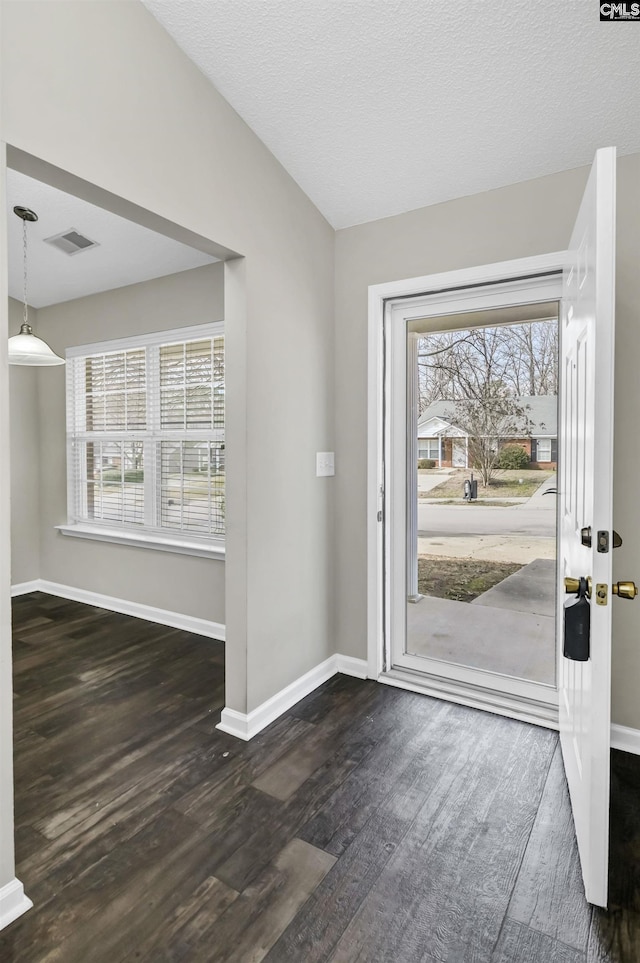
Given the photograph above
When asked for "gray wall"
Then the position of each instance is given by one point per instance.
(181, 583)
(25, 461)
(144, 124)
(534, 217)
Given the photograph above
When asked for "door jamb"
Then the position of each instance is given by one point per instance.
(379, 295)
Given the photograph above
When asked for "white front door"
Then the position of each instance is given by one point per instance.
(586, 501)
(459, 459)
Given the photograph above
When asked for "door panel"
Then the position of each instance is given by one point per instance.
(585, 491)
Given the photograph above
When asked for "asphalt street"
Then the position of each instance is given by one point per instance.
(453, 520)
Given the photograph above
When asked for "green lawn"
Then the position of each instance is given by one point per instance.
(504, 484)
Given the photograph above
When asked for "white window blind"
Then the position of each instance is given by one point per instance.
(145, 427)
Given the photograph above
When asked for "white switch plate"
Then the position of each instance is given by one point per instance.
(325, 463)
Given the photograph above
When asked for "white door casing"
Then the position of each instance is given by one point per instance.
(451, 289)
(525, 281)
(586, 499)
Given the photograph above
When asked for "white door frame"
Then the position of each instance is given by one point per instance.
(453, 289)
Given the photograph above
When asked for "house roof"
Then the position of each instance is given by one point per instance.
(435, 426)
(541, 410)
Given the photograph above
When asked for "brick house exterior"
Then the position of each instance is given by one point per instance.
(440, 440)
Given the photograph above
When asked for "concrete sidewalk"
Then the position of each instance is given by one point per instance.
(540, 498)
(496, 548)
(516, 644)
(531, 590)
(427, 480)
(510, 630)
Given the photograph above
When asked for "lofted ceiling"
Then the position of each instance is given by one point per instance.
(376, 107)
(126, 253)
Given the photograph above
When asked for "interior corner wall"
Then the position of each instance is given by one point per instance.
(7, 850)
(24, 460)
(185, 584)
(534, 217)
(144, 124)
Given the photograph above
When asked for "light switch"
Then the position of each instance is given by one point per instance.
(325, 464)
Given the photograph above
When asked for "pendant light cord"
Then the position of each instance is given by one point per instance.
(25, 314)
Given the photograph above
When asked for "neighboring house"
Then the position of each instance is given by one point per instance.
(442, 441)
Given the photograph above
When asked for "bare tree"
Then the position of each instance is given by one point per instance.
(484, 372)
(523, 358)
(488, 420)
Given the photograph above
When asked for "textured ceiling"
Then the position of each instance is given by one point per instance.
(381, 106)
(128, 253)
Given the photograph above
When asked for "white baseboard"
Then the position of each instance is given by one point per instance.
(347, 665)
(13, 902)
(24, 588)
(176, 620)
(626, 739)
(247, 725)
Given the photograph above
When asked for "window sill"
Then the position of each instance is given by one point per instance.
(159, 543)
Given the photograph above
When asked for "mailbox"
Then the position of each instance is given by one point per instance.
(470, 489)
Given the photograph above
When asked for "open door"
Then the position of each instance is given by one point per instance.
(586, 512)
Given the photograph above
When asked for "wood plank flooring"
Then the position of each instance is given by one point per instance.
(368, 825)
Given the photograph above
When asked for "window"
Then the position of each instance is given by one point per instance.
(543, 446)
(429, 448)
(145, 431)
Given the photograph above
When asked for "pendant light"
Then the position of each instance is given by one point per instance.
(25, 348)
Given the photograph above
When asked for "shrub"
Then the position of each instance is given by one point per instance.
(426, 463)
(513, 456)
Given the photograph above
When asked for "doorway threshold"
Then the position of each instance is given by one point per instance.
(535, 712)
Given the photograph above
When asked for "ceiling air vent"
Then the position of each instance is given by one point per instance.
(71, 242)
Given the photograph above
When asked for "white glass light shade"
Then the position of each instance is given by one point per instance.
(25, 348)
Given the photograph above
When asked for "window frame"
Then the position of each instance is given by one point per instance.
(429, 448)
(143, 536)
(544, 441)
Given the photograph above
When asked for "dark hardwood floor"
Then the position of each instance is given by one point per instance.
(368, 824)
